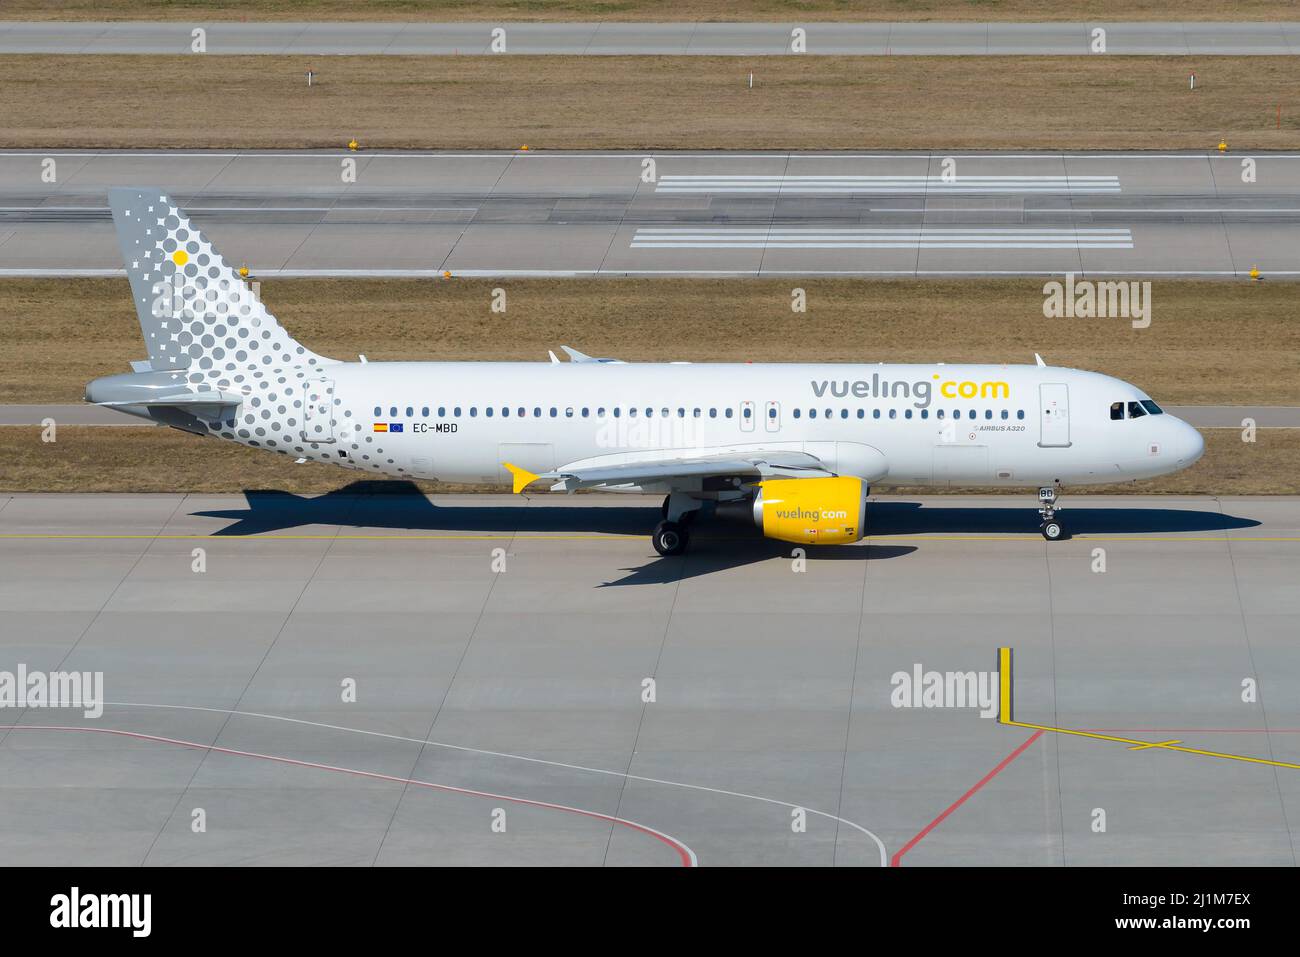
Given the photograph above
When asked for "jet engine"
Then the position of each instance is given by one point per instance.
(812, 511)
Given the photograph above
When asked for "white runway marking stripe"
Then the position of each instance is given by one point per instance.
(883, 237)
(783, 183)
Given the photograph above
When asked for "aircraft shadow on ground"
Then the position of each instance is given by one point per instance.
(716, 546)
(911, 518)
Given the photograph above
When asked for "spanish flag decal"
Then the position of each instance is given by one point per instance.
(381, 426)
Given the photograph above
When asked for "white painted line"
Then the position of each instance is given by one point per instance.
(896, 237)
(818, 184)
(429, 742)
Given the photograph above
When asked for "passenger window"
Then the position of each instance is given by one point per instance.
(844, 413)
(665, 413)
(554, 412)
(617, 412)
(771, 413)
(473, 411)
(875, 413)
(893, 413)
(681, 413)
(748, 412)
(585, 411)
(600, 412)
(632, 412)
(521, 412)
(939, 414)
(907, 413)
(796, 413)
(988, 414)
(925, 413)
(812, 413)
(488, 411)
(505, 412)
(727, 411)
(1135, 410)
(425, 412)
(713, 413)
(456, 411)
(410, 412)
(862, 413)
(537, 412)
(697, 413)
(442, 411)
(1020, 413)
(649, 413)
(1005, 414)
(568, 413)
(393, 411)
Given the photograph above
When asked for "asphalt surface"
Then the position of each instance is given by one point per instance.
(701, 39)
(514, 679)
(1201, 416)
(704, 214)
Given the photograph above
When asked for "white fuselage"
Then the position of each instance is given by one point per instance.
(975, 425)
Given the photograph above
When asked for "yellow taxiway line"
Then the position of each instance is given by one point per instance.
(1006, 716)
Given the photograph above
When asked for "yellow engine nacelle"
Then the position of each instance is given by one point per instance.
(813, 511)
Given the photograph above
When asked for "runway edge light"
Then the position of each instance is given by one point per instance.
(1006, 687)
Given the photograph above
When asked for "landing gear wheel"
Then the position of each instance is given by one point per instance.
(670, 538)
(1051, 528)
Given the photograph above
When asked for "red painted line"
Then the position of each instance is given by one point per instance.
(896, 860)
(686, 855)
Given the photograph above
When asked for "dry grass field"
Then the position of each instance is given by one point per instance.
(148, 459)
(1209, 343)
(649, 102)
(643, 10)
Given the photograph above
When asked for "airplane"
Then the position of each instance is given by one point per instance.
(796, 447)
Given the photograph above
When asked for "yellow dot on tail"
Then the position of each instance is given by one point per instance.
(180, 257)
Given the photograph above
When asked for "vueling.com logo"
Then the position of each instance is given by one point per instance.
(921, 392)
(810, 514)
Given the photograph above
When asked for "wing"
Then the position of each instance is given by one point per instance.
(697, 468)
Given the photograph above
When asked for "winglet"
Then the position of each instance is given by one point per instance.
(522, 477)
(1039, 359)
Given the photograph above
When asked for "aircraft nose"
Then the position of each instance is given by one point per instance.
(1189, 445)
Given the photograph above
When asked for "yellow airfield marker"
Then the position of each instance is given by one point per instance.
(1006, 716)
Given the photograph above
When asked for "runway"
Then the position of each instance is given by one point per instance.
(676, 214)
(511, 686)
(658, 39)
(1201, 416)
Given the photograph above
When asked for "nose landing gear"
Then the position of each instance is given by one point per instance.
(1051, 526)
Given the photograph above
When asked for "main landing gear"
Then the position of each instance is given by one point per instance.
(672, 535)
(670, 538)
(1051, 526)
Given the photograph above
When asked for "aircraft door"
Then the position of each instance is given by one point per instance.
(1054, 415)
(318, 410)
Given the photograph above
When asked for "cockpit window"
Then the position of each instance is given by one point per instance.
(1152, 407)
(1135, 410)
(1117, 410)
